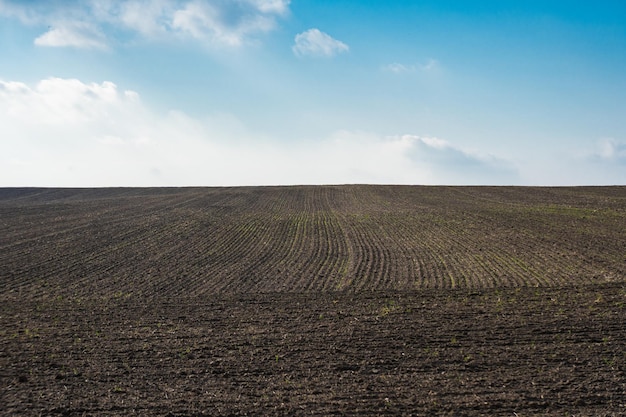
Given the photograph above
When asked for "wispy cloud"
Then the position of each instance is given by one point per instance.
(610, 150)
(430, 65)
(315, 43)
(88, 23)
(228, 26)
(399, 68)
(150, 19)
(271, 6)
(74, 34)
(70, 133)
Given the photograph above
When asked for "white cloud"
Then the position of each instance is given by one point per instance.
(454, 165)
(150, 19)
(63, 132)
(203, 21)
(599, 162)
(17, 10)
(315, 43)
(271, 6)
(611, 150)
(67, 102)
(197, 19)
(93, 23)
(75, 34)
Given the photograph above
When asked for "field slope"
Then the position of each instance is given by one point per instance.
(197, 242)
(313, 300)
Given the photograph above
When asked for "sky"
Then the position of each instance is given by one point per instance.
(100, 93)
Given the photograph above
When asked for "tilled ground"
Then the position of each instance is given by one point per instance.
(316, 300)
(525, 351)
(202, 241)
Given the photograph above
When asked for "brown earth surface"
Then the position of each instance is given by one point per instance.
(320, 300)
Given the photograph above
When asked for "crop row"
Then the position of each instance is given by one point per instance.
(202, 241)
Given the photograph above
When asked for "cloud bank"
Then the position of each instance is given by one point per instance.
(317, 44)
(84, 23)
(63, 132)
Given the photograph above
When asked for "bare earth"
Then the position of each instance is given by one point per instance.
(320, 300)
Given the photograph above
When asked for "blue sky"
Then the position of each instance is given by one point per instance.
(262, 92)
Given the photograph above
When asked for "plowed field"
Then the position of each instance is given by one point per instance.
(313, 300)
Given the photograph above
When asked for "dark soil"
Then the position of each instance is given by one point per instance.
(446, 352)
(313, 301)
